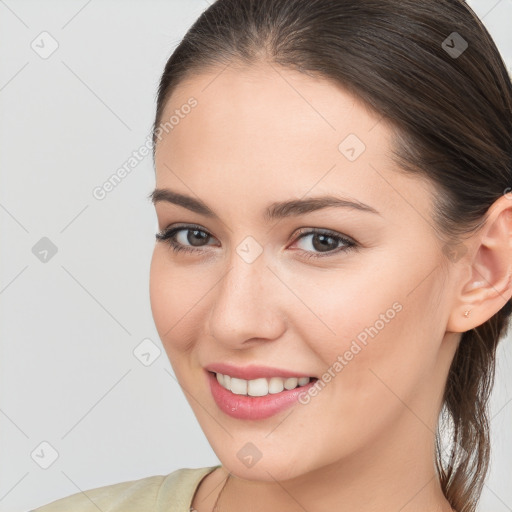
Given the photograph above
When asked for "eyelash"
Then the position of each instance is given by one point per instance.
(167, 236)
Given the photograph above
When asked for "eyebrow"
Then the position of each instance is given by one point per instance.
(277, 210)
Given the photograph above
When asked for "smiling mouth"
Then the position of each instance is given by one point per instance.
(261, 386)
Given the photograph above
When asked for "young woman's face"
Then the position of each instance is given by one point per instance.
(353, 292)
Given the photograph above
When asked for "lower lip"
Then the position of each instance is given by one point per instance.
(246, 407)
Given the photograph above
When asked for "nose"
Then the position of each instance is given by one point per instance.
(247, 304)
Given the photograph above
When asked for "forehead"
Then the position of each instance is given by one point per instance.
(265, 103)
(278, 132)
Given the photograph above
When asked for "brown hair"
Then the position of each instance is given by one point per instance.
(451, 110)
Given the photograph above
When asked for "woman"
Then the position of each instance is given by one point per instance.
(333, 267)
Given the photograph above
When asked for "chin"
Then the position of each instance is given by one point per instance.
(270, 470)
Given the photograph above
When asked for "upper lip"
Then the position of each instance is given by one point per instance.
(252, 371)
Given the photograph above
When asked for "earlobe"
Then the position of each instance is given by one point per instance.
(489, 286)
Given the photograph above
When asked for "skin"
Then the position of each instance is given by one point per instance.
(265, 134)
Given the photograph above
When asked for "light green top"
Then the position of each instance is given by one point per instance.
(159, 493)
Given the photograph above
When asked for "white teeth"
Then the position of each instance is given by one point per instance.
(257, 387)
(238, 386)
(291, 383)
(276, 385)
(261, 386)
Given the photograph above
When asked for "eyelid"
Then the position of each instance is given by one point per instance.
(171, 231)
(323, 231)
(298, 233)
(168, 233)
(178, 227)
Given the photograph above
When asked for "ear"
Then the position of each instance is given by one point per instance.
(489, 267)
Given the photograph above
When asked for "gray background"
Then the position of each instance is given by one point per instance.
(70, 324)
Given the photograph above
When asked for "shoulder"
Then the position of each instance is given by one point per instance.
(169, 493)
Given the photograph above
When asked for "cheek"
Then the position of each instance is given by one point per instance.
(374, 331)
(169, 296)
(379, 303)
(177, 296)
(348, 305)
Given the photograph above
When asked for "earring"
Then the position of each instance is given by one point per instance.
(466, 313)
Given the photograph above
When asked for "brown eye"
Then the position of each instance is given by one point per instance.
(195, 236)
(187, 239)
(324, 243)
